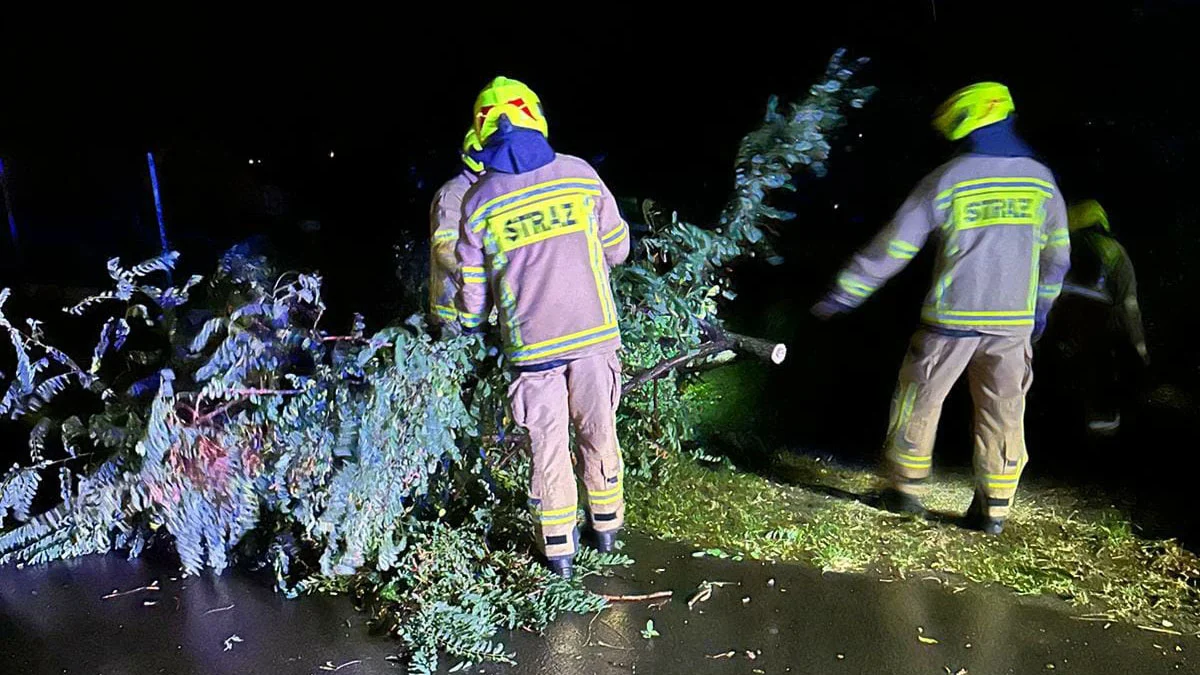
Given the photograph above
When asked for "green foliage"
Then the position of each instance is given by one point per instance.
(669, 295)
(237, 428)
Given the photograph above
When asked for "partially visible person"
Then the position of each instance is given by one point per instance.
(1098, 325)
(445, 216)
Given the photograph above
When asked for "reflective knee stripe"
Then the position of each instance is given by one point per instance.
(609, 496)
(563, 516)
(912, 461)
(1001, 481)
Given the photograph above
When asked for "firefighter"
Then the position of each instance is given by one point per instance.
(999, 226)
(444, 216)
(1100, 319)
(540, 232)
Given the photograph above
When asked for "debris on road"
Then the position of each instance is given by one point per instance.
(230, 640)
(1165, 631)
(218, 609)
(701, 594)
(152, 586)
(637, 598)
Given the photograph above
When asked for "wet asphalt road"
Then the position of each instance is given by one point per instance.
(771, 619)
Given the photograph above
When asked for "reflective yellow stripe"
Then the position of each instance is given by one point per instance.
(445, 235)
(596, 260)
(910, 465)
(914, 458)
(605, 493)
(614, 242)
(531, 188)
(987, 181)
(981, 322)
(607, 500)
(1001, 190)
(563, 520)
(856, 288)
(557, 512)
(951, 312)
(468, 269)
(566, 348)
(572, 336)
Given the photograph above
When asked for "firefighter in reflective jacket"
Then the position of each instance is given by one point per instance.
(540, 232)
(999, 225)
(445, 215)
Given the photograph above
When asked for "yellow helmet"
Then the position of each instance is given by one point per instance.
(471, 144)
(1087, 214)
(512, 98)
(971, 108)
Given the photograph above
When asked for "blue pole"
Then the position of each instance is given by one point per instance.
(12, 222)
(162, 226)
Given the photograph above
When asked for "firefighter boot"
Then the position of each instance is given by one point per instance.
(605, 542)
(564, 565)
(898, 502)
(978, 520)
(561, 566)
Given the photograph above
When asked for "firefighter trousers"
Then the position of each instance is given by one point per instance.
(582, 393)
(1000, 373)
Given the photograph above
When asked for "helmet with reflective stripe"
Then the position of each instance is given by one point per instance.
(471, 144)
(972, 108)
(512, 99)
(1087, 214)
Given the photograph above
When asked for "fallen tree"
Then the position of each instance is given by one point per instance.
(226, 421)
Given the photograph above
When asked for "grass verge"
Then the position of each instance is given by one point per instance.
(1058, 541)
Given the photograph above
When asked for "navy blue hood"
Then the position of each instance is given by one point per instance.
(997, 140)
(513, 149)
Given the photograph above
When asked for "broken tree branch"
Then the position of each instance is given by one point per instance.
(719, 341)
